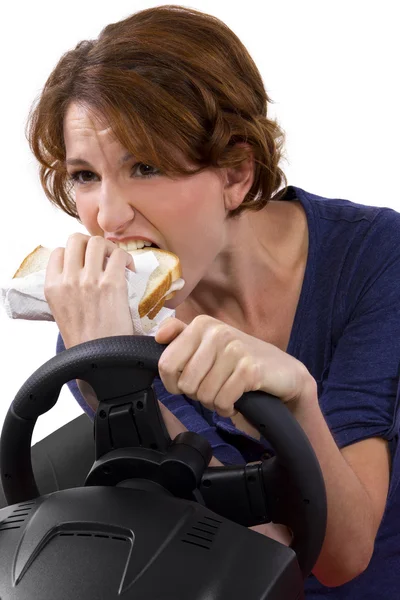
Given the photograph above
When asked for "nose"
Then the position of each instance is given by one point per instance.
(115, 211)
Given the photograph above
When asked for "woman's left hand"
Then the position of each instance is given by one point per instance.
(216, 364)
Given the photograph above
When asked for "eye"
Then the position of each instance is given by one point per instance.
(140, 170)
(144, 171)
(82, 177)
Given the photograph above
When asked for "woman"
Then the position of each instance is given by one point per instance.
(161, 126)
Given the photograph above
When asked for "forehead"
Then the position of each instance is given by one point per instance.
(87, 131)
(81, 122)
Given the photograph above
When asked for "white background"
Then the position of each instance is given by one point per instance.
(331, 67)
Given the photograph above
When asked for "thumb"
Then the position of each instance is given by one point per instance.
(168, 330)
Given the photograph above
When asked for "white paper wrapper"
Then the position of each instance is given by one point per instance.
(23, 297)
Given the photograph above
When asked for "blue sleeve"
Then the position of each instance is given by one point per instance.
(182, 409)
(73, 386)
(360, 392)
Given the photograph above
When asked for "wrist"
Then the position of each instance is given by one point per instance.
(308, 414)
(307, 400)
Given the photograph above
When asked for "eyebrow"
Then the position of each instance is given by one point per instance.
(81, 162)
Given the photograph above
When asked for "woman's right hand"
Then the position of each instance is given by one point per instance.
(87, 296)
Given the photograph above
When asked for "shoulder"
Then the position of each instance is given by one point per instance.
(340, 209)
(363, 240)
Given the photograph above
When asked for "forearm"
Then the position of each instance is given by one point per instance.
(350, 533)
(88, 394)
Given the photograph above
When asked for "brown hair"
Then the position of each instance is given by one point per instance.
(170, 82)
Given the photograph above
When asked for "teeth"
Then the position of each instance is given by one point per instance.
(133, 245)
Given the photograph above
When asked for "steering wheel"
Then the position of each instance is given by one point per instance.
(288, 488)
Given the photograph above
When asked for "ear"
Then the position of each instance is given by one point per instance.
(238, 180)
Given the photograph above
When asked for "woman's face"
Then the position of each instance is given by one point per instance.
(117, 197)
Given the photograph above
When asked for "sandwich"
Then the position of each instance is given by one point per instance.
(162, 284)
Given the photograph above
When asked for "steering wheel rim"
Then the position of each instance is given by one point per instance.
(267, 413)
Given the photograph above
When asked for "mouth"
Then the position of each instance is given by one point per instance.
(137, 244)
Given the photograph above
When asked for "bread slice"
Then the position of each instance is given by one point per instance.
(160, 281)
(35, 261)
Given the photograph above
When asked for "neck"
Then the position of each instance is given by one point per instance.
(253, 271)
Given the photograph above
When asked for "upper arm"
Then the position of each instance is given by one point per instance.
(370, 461)
(359, 392)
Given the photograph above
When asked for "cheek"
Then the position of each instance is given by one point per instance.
(193, 228)
(87, 211)
(193, 213)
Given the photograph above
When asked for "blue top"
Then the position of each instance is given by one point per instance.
(347, 333)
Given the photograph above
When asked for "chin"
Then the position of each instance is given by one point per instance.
(178, 299)
(173, 303)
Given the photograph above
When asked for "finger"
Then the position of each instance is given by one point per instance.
(169, 330)
(216, 377)
(197, 370)
(89, 253)
(174, 358)
(74, 256)
(117, 261)
(54, 269)
(233, 389)
(112, 250)
(130, 264)
(99, 249)
(55, 264)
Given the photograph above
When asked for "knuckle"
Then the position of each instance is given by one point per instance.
(202, 320)
(88, 284)
(245, 362)
(106, 284)
(96, 239)
(50, 287)
(246, 370)
(77, 236)
(185, 387)
(120, 284)
(51, 290)
(222, 406)
(234, 347)
(206, 398)
(121, 253)
(164, 366)
(60, 288)
(219, 332)
(188, 388)
(51, 281)
(68, 285)
(256, 376)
